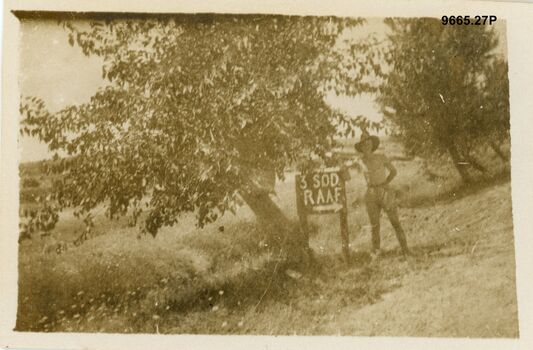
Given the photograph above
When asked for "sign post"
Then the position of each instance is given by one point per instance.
(323, 192)
(343, 215)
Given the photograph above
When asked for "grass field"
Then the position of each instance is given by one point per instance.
(459, 283)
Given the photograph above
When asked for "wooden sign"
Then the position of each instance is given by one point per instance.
(321, 192)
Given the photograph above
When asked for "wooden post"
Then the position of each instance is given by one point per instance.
(302, 215)
(344, 223)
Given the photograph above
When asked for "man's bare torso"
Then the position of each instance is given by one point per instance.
(375, 168)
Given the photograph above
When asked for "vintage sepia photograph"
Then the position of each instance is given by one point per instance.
(264, 174)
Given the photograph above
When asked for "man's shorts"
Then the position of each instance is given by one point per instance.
(382, 196)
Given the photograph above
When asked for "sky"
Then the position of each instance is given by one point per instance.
(61, 75)
(55, 72)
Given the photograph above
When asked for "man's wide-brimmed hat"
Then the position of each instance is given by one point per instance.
(364, 136)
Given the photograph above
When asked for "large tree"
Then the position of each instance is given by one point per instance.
(198, 112)
(444, 89)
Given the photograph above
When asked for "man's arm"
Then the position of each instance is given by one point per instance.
(392, 170)
(353, 164)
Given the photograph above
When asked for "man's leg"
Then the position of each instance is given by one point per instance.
(392, 213)
(374, 211)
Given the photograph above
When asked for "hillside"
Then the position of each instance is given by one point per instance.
(462, 284)
(461, 281)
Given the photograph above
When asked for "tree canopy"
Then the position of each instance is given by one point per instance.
(445, 90)
(195, 107)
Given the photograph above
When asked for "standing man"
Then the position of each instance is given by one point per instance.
(379, 196)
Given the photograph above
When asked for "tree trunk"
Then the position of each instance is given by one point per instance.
(282, 232)
(499, 152)
(268, 214)
(460, 164)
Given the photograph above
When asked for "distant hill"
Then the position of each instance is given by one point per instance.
(34, 181)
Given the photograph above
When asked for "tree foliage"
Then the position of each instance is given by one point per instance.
(445, 90)
(194, 108)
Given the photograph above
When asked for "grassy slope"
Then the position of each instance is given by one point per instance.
(460, 283)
